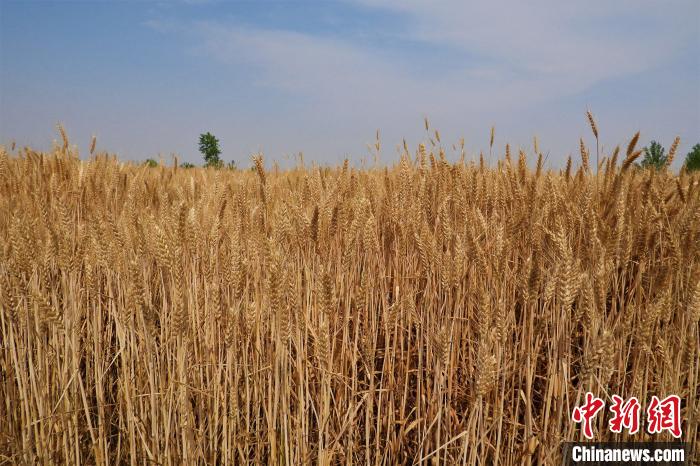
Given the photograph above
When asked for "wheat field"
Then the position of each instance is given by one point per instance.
(426, 312)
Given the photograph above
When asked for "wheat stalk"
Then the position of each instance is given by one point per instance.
(335, 314)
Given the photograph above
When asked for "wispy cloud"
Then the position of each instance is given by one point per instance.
(354, 79)
(322, 76)
(598, 37)
(534, 49)
(534, 45)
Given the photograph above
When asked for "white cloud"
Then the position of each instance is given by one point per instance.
(577, 43)
(528, 54)
(338, 73)
(532, 50)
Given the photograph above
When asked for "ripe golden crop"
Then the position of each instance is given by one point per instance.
(423, 312)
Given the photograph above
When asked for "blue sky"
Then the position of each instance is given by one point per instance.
(322, 76)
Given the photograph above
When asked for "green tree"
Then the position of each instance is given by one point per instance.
(151, 163)
(209, 147)
(654, 156)
(187, 165)
(692, 160)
